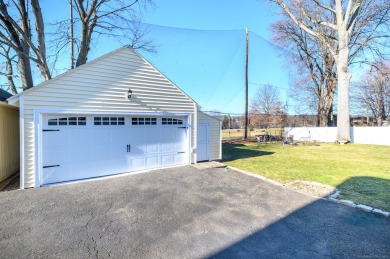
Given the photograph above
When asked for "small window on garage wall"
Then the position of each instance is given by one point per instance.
(71, 121)
(53, 122)
(62, 121)
(171, 121)
(108, 121)
(143, 121)
(82, 121)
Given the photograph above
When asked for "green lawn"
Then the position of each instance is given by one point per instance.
(361, 172)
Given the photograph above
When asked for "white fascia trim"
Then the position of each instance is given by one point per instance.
(99, 112)
(21, 140)
(37, 148)
(14, 99)
(189, 140)
(38, 132)
(195, 129)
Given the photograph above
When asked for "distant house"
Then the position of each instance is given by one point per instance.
(112, 115)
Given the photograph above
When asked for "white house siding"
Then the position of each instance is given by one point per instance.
(102, 85)
(9, 140)
(215, 135)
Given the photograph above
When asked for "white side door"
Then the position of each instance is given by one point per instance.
(203, 141)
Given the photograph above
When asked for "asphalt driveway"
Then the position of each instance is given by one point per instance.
(184, 213)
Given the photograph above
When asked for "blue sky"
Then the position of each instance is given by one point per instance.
(201, 48)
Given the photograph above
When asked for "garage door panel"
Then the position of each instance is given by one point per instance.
(179, 158)
(167, 160)
(101, 152)
(80, 137)
(152, 148)
(80, 170)
(118, 149)
(106, 168)
(137, 150)
(152, 162)
(167, 147)
(56, 174)
(138, 163)
(81, 153)
(53, 156)
(100, 135)
(179, 147)
(119, 135)
(53, 139)
(120, 163)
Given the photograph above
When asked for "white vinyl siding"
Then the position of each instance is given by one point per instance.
(102, 85)
(215, 135)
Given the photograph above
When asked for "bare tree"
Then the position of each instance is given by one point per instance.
(16, 33)
(11, 36)
(9, 67)
(372, 92)
(344, 18)
(314, 73)
(267, 107)
(119, 19)
(95, 17)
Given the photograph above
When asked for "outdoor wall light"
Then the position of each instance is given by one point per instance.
(129, 93)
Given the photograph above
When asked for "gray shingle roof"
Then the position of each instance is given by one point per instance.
(4, 95)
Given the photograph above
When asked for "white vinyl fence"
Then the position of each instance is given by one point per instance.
(359, 135)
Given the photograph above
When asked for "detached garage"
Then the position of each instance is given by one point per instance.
(114, 115)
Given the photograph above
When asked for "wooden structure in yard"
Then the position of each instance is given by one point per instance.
(9, 140)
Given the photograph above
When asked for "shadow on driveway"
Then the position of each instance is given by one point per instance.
(312, 232)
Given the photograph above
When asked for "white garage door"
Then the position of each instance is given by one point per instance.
(79, 147)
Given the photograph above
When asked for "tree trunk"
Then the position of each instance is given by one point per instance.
(330, 120)
(86, 32)
(328, 109)
(24, 50)
(344, 76)
(381, 105)
(40, 31)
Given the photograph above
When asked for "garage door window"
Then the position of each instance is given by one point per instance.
(72, 121)
(143, 121)
(170, 121)
(108, 121)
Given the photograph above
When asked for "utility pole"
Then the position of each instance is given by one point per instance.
(71, 35)
(246, 85)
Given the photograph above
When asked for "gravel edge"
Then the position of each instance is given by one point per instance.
(332, 197)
